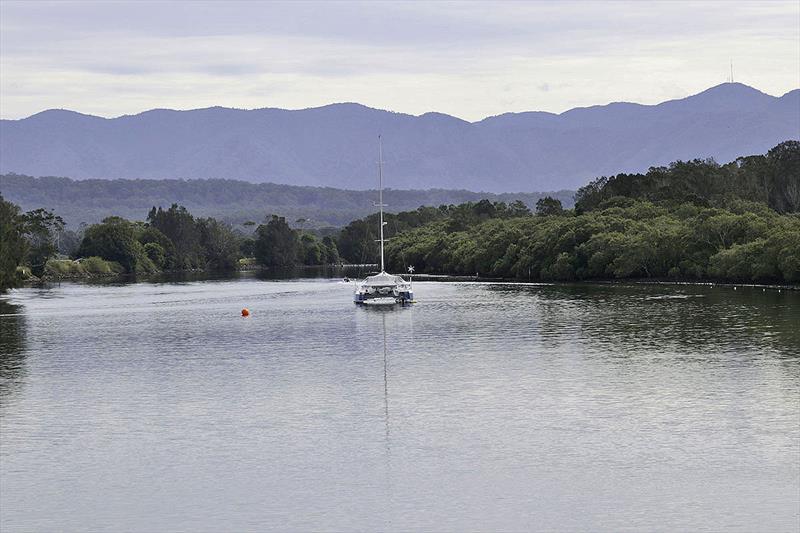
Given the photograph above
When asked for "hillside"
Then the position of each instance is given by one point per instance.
(335, 145)
(233, 201)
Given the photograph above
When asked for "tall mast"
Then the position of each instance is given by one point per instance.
(380, 192)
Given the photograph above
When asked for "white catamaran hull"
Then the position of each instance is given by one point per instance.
(381, 301)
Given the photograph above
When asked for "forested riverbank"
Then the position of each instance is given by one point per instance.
(691, 221)
(36, 245)
(628, 239)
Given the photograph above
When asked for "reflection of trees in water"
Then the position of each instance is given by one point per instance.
(12, 347)
(687, 318)
(327, 271)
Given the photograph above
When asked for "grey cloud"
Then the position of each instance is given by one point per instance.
(454, 57)
(550, 24)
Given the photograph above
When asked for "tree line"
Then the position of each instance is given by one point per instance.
(746, 241)
(170, 239)
(25, 238)
(358, 241)
(694, 220)
(771, 179)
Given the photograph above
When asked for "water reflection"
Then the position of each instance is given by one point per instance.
(371, 312)
(385, 382)
(156, 407)
(310, 272)
(12, 347)
(628, 319)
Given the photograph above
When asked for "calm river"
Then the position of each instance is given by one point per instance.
(157, 407)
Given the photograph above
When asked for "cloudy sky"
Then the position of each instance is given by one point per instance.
(468, 59)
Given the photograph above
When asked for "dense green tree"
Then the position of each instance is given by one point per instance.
(311, 250)
(180, 227)
(155, 252)
(743, 262)
(30, 239)
(189, 243)
(637, 239)
(548, 206)
(115, 239)
(357, 241)
(68, 241)
(276, 244)
(41, 229)
(518, 209)
(151, 235)
(247, 247)
(211, 245)
(13, 246)
(772, 179)
(784, 245)
(331, 250)
(219, 243)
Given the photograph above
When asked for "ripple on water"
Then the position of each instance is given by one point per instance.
(485, 406)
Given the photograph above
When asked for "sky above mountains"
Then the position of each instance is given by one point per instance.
(470, 60)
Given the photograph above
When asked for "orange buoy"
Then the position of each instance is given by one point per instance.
(245, 312)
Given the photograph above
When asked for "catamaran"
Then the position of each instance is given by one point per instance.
(383, 288)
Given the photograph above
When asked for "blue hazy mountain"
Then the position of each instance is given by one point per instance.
(335, 145)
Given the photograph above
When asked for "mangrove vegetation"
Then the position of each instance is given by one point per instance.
(693, 220)
(35, 244)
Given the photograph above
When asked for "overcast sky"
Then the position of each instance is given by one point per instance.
(471, 60)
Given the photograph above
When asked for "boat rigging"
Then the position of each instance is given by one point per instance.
(383, 288)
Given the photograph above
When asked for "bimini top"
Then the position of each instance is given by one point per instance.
(382, 280)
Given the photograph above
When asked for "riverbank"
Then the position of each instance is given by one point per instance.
(95, 269)
(72, 269)
(634, 281)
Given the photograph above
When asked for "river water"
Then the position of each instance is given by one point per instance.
(157, 407)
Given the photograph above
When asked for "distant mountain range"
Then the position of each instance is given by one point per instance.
(335, 145)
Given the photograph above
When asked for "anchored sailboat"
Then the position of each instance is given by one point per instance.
(382, 288)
